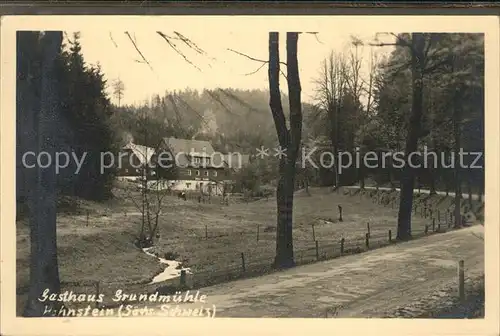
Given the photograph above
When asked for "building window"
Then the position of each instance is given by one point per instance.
(197, 173)
(189, 172)
(215, 173)
(206, 173)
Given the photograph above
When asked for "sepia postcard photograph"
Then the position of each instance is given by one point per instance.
(317, 172)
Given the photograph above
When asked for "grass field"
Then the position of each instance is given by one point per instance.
(207, 237)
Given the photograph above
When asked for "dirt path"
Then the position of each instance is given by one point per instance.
(366, 285)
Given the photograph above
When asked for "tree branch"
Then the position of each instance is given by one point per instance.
(250, 57)
(254, 72)
(112, 40)
(140, 53)
(191, 44)
(381, 44)
(174, 47)
(283, 74)
(436, 66)
(315, 35)
(399, 42)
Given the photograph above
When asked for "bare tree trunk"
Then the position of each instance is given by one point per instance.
(447, 178)
(469, 189)
(44, 270)
(408, 175)
(457, 117)
(432, 168)
(391, 174)
(337, 140)
(432, 182)
(306, 180)
(289, 139)
(333, 116)
(481, 189)
(361, 177)
(284, 238)
(361, 172)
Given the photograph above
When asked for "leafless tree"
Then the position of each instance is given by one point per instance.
(118, 89)
(153, 188)
(331, 87)
(289, 140)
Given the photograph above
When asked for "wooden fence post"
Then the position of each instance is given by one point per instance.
(461, 281)
(97, 292)
(426, 230)
(317, 250)
(313, 232)
(183, 278)
(390, 236)
(368, 228)
(206, 231)
(340, 214)
(258, 229)
(342, 242)
(87, 218)
(425, 211)
(431, 213)
(243, 267)
(439, 216)
(433, 225)
(439, 226)
(367, 240)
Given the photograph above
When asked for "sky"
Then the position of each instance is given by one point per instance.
(215, 35)
(219, 67)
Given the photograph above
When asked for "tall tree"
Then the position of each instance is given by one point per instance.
(452, 63)
(118, 89)
(87, 109)
(414, 132)
(289, 140)
(44, 272)
(330, 94)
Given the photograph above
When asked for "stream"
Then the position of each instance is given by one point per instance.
(172, 270)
